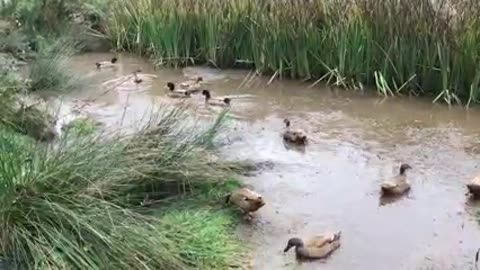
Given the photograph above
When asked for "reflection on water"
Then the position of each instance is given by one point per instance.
(355, 142)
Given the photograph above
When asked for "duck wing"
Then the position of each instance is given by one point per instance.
(390, 184)
(323, 239)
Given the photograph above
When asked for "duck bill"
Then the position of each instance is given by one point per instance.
(287, 248)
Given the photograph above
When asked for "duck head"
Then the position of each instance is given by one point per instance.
(227, 101)
(206, 93)
(293, 242)
(98, 65)
(287, 122)
(114, 60)
(171, 86)
(404, 167)
(199, 79)
(257, 202)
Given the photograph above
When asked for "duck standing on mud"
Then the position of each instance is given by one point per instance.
(106, 64)
(247, 200)
(315, 248)
(398, 185)
(297, 136)
(221, 102)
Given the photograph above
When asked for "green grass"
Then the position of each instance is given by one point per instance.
(76, 204)
(207, 239)
(404, 47)
(81, 127)
(50, 70)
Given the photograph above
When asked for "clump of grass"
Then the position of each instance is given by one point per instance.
(401, 47)
(70, 205)
(206, 239)
(50, 70)
(81, 127)
(21, 114)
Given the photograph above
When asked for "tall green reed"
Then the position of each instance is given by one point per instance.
(418, 47)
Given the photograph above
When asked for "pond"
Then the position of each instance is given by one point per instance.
(356, 141)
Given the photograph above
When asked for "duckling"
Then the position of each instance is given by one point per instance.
(474, 187)
(106, 64)
(318, 247)
(192, 85)
(222, 102)
(247, 200)
(294, 136)
(398, 185)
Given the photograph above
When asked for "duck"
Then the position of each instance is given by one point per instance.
(179, 95)
(297, 136)
(315, 248)
(398, 185)
(246, 199)
(222, 102)
(474, 187)
(106, 64)
(172, 88)
(192, 85)
(136, 79)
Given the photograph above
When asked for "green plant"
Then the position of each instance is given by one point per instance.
(400, 47)
(50, 70)
(69, 205)
(81, 127)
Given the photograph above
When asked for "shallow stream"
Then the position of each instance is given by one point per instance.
(355, 142)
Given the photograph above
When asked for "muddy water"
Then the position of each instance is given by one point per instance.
(356, 141)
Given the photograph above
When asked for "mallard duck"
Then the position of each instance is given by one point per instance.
(192, 85)
(106, 64)
(222, 102)
(171, 87)
(318, 247)
(179, 95)
(474, 187)
(297, 136)
(398, 184)
(247, 200)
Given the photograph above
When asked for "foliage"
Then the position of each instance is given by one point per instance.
(401, 47)
(70, 205)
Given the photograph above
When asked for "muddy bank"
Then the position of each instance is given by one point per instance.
(356, 141)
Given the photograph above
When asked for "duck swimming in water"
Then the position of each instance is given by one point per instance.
(296, 136)
(136, 79)
(221, 102)
(106, 64)
(398, 185)
(317, 247)
(193, 86)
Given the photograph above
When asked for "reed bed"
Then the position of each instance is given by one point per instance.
(418, 47)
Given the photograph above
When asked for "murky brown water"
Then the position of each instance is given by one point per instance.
(356, 141)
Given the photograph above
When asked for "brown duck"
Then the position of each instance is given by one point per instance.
(398, 185)
(247, 200)
(317, 247)
(297, 136)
